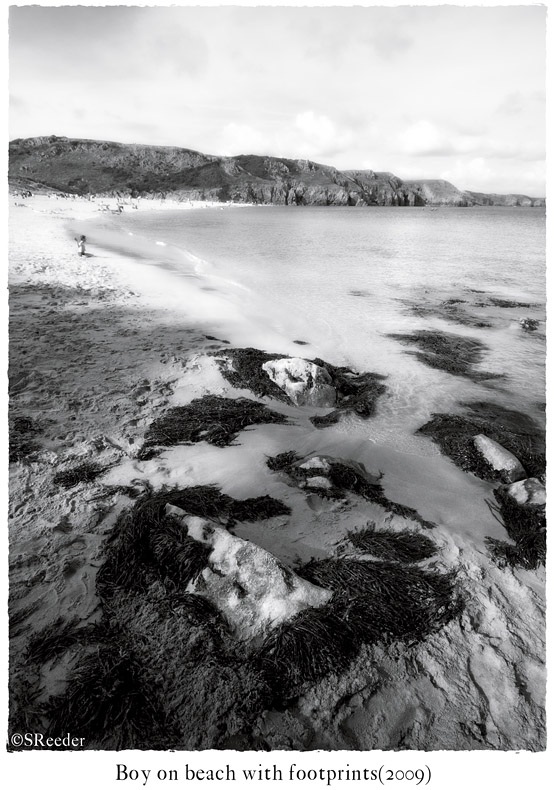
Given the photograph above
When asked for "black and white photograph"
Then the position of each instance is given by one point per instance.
(276, 365)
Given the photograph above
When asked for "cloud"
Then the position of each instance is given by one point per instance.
(308, 136)
(518, 102)
(482, 175)
(389, 44)
(424, 138)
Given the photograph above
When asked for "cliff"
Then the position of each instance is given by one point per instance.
(107, 168)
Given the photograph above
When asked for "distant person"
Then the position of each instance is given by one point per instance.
(81, 241)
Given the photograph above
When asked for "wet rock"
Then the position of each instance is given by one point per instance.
(529, 324)
(316, 462)
(500, 459)
(317, 482)
(528, 492)
(251, 588)
(305, 383)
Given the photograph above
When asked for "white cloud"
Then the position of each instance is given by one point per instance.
(306, 136)
(425, 138)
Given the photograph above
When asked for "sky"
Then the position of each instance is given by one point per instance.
(449, 91)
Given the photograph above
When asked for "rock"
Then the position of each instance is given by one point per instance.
(528, 492)
(317, 482)
(501, 460)
(251, 588)
(316, 462)
(529, 324)
(305, 383)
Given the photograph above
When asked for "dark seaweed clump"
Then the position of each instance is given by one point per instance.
(147, 545)
(387, 544)
(83, 473)
(356, 392)
(453, 354)
(109, 702)
(373, 602)
(343, 477)
(505, 303)
(450, 310)
(515, 431)
(526, 526)
(211, 419)
(22, 437)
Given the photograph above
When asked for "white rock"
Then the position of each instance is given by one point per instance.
(528, 492)
(305, 383)
(317, 482)
(499, 458)
(251, 588)
(316, 462)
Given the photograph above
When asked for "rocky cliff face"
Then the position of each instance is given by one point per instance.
(106, 168)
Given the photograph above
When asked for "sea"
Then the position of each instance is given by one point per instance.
(346, 281)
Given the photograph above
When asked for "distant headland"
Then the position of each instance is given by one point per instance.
(95, 167)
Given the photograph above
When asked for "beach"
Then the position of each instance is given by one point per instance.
(97, 355)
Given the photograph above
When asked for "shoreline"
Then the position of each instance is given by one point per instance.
(93, 361)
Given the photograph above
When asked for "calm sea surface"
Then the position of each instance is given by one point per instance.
(342, 280)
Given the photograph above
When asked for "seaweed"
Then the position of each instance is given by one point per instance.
(283, 461)
(179, 558)
(449, 310)
(212, 419)
(515, 431)
(52, 640)
(526, 526)
(385, 600)
(108, 703)
(311, 645)
(22, 437)
(505, 303)
(83, 473)
(258, 507)
(453, 354)
(387, 544)
(17, 619)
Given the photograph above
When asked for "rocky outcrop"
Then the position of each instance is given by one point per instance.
(305, 383)
(107, 168)
(482, 199)
(435, 192)
(253, 591)
(501, 460)
(527, 492)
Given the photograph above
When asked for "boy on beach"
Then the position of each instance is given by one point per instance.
(81, 245)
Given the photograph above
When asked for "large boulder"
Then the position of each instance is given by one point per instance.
(305, 383)
(528, 492)
(251, 588)
(501, 460)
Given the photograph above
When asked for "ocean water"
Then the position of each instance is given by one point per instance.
(343, 279)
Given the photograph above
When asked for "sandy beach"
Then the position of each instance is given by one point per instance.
(96, 355)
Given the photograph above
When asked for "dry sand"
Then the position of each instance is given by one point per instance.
(92, 360)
